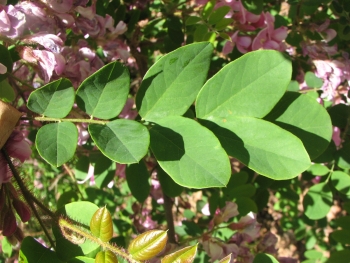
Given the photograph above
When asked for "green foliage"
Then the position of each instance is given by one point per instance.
(53, 100)
(137, 177)
(103, 94)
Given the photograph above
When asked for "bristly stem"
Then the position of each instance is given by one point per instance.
(30, 199)
(66, 225)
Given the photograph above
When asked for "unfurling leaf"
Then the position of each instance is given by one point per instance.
(148, 244)
(101, 224)
(226, 259)
(106, 257)
(185, 255)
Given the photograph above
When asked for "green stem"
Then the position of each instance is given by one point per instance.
(66, 225)
(20, 81)
(71, 120)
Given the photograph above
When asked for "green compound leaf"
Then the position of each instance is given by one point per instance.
(6, 60)
(264, 258)
(262, 146)
(305, 118)
(341, 182)
(81, 212)
(7, 93)
(341, 256)
(184, 255)
(54, 100)
(137, 177)
(248, 86)
(33, 252)
(104, 93)
(123, 141)
(171, 85)
(106, 257)
(318, 201)
(189, 153)
(148, 244)
(101, 224)
(56, 142)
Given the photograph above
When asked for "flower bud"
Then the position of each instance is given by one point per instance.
(9, 224)
(22, 210)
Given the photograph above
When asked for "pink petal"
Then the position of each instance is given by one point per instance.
(3, 68)
(60, 6)
(280, 34)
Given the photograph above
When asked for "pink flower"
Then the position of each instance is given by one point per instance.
(48, 62)
(12, 21)
(60, 6)
(51, 42)
(128, 111)
(248, 227)
(16, 147)
(241, 42)
(336, 136)
(156, 191)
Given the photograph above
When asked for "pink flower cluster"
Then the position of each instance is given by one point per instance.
(42, 26)
(247, 24)
(16, 147)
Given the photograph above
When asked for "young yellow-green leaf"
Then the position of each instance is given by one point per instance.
(101, 224)
(185, 255)
(54, 100)
(226, 259)
(106, 257)
(148, 244)
(104, 93)
(56, 142)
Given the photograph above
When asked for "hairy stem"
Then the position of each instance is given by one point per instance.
(66, 225)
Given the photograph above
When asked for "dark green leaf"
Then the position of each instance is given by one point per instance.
(261, 145)
(341, 182)
(7, 93)
(6, 60)
(253, 6)
(218, 14)
(318, 201)
(342, 236)
(33, 252)
(169, 187)
(305, 118)
(104, 93)
(54, 99)
(170, 85)
(264, 258)
(189, 153)
(123, 141)
(137, 177)
(56, 142)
